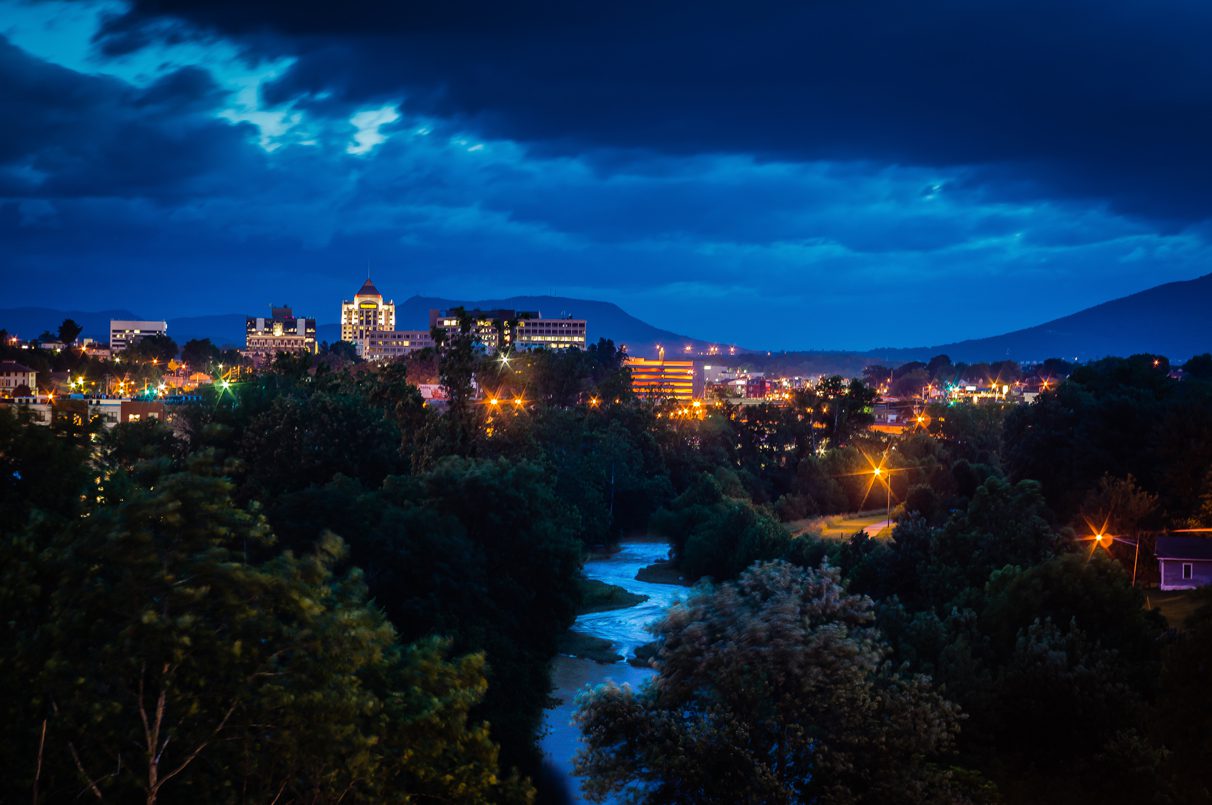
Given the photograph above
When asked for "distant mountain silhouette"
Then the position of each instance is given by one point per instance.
(605, 320)
(30, 322)
(1174, 319)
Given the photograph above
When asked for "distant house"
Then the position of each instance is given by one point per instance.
(17, 379)
(1184, 563)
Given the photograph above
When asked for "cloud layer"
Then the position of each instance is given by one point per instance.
(846, 175)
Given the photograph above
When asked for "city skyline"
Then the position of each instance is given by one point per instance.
(706, 172)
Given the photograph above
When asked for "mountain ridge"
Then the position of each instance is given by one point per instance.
(1172, 319)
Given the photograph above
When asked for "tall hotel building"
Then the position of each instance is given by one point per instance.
(662, 379)
(367, 313)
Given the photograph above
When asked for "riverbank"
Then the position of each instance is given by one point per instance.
(587, 647)
(662, 572)
(612, 639)
(598, 596)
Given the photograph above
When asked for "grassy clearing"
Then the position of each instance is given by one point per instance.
(578, 644)
(1176, 605)
(841, 526)
(598, 596)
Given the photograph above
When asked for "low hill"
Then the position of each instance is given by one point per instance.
(606, 320)
(1174, 320)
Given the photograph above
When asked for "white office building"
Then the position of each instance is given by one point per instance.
(123, 334)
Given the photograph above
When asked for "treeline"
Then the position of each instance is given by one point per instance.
(908, 379)
(314, 585)
(988, 650)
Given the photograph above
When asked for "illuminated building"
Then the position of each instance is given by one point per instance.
(756, 388)
(366, 313)
(16, 376)
(662, 379)
(506, 330)
(386, 345)
(123, 334)
(492, 330)
(551, 333)
(265, 338)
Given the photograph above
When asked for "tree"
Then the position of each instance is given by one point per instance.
(159, 348)
(456, 372)
(199, 353)
(719, 535)
(156, 659)
(498, 576)
(69, 331)
(1118, 506)
(939, 367)
(1199, 367)
(772, 689)
(342, 352)
(303, 440)
(1185, 708)
(43, 469)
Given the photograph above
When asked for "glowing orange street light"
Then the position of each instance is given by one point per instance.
(494, 401)
(1100, 537)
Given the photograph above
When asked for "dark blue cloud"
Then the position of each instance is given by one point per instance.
(841, 175)
(1090, 99)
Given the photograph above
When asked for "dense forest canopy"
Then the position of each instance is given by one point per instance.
(313, 584)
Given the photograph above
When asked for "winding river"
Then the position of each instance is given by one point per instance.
(625, 628)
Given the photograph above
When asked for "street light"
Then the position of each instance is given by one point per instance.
(1101, 538)
(878, 472)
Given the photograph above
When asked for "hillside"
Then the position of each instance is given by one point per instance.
(606, 320)
(1174, 319)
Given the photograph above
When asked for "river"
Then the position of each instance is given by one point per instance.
(625, 628)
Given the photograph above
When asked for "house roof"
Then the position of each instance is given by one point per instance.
(1184, 548)
(13, 366)
(368, 289)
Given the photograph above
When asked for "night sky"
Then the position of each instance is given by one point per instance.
(782, 175)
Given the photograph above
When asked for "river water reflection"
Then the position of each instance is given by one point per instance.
(625, 628)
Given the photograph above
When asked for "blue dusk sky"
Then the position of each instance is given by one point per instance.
(837, 174)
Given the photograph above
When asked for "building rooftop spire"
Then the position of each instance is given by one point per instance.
(369, 289)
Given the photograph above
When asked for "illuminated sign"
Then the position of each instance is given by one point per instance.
(368, 305)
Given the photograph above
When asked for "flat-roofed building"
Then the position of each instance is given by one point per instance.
(493, 330)
(123, 334)
(662, 379)
(17, 379)
(506, 330)
(388, 345)
(367, 312)
(266, 338)
(551, 333)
